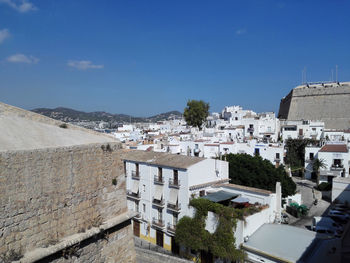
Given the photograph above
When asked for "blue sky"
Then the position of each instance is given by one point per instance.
(147, 57)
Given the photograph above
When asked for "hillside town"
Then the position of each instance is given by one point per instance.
(174, 131)
(237, 166)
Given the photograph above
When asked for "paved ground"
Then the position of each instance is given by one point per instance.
(307, 196)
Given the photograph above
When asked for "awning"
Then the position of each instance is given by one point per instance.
(173, 196)
(240, 199)
(220, 196)
(135, 187)
(158, 193)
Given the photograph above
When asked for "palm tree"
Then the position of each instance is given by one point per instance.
(316, 166)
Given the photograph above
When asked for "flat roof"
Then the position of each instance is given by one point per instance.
(245, 188)
(25, 130)
(283, 242)
(220, 196)
(161, 159)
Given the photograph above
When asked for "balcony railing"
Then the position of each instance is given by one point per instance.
(171, 228)
(277, 160)
(158, 222)
(175, 208)
(135, 175)
(158, 203)
(174, 183)
(138, 215)
(337, 167)
(309, 160)
(250, 129)
(132, 195)
(158, 179)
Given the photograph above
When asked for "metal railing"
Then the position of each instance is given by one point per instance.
(138, 215)
(159, 203)
(171, 228)
(133, 195)
(158, 222)
(337, 167)
(173, 207)
(158, 179)
(174, 183)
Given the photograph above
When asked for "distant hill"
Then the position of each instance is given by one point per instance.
(69, 115)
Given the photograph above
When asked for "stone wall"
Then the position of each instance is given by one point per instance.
(49, 195)
(326, 103)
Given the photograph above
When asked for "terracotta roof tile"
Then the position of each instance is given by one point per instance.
(340, 148)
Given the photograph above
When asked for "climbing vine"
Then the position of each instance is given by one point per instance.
(191, 233)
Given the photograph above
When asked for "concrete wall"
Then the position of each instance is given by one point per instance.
(341, 190)
(48, 195)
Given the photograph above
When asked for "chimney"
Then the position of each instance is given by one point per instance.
(278, 201)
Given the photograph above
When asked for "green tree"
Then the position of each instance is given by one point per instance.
(296, 154)
(191, 232)
(256, 172)
(316, 166)
(196, 113)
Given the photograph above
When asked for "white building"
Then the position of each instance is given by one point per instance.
(303, 129)
(159, 186)
(335, 157)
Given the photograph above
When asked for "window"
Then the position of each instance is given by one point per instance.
(160, 174)
(277, 155)
(311, 156)
(202, 193)
(136, 206)
(160, 214)
(125, 168)
(144, 188)
(176, 177)
(337, 163)
(257, 152)
(175, 219)
(144, 208)
(137, 169)
(236, 118)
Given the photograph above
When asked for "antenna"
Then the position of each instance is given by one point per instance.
(336, 73)
(303, 76)
(332, 79)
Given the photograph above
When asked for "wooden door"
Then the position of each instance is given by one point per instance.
(159, 238)
(175, 249)
(136, 228)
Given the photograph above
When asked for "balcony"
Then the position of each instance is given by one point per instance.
(158, 203)
(138, 215)
(171, 228)
(277, 160)
(135, 175)
(175, 208)
(132, 195)
(337, 167)
(250, 130)
(158, 223)
(308, 160)
(174, 183)
(158, 180)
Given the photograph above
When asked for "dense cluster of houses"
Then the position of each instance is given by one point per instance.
(176, 163)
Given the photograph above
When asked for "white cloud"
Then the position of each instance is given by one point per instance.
(22, 6)
(20, 58)
(241, 31)
(83, 64)
(4, 33)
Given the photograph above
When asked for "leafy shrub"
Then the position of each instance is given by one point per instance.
(63, 126)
